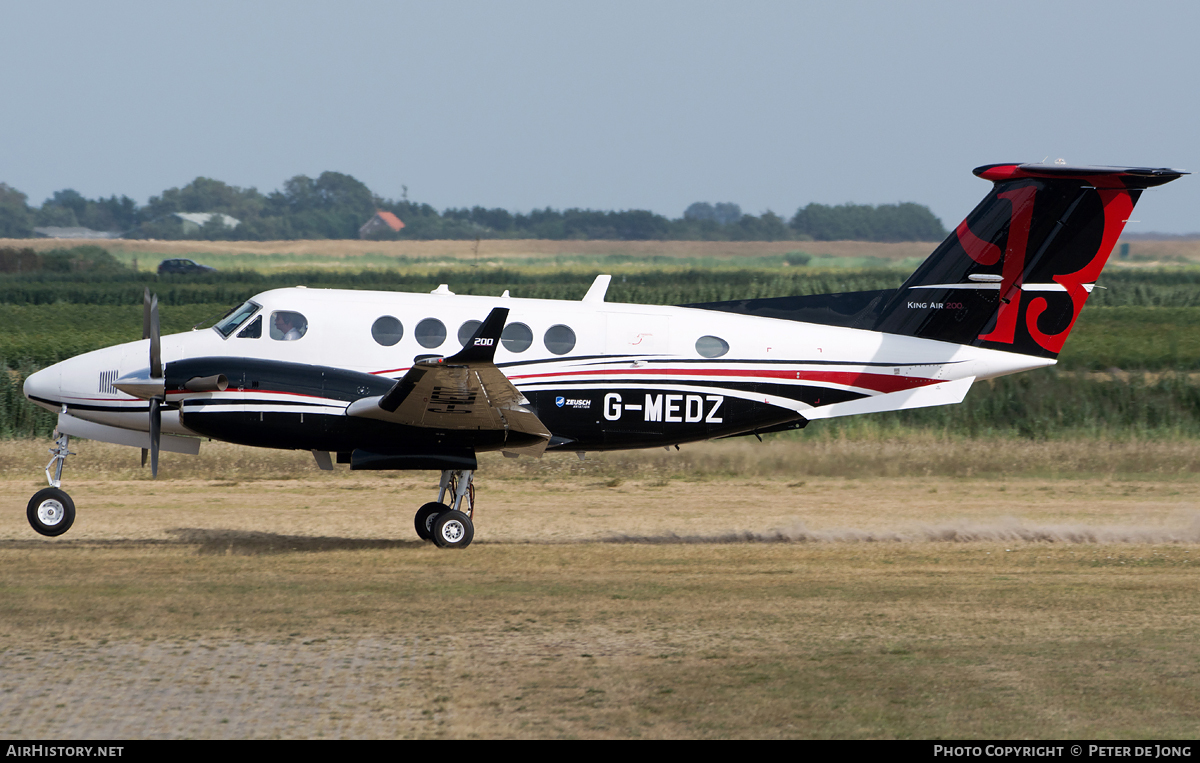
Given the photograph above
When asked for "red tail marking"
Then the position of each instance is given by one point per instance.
(986, 253)
(1118, 205)
(981, 251)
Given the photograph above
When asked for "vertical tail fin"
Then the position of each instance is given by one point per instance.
(1015, 274)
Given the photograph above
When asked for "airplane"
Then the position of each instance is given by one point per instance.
(402, 381)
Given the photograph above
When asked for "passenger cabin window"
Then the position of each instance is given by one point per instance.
(430, 333)
(288, 326)
(711, 346)
(253, 331)
(235, 317)
(559, 339)
(387, 330)
(516, 337)
(466, 330)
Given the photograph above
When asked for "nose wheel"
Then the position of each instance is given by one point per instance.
(51, 511)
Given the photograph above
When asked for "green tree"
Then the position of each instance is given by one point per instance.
(112, 214)
(299, 195)
(16, 219)
(342, 192)
(207, 195)
(68, 199)
(768, 227)
(863, 222)
(52, 215)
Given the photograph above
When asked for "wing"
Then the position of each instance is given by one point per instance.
(464, 391)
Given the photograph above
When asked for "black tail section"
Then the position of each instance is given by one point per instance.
(1012, 276)
(1015, 274)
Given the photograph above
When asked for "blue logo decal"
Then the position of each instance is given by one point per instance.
(559, 401)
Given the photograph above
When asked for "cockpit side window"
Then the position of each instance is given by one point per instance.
(253, 331)
(288, 326)
(236, 318)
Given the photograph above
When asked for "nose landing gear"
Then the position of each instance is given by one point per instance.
(51, 511)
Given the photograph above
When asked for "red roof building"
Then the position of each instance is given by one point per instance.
(381, 222)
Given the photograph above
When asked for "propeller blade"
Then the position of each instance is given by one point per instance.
(146, 314)
(150, 330)
(155, 427)
(156, 370)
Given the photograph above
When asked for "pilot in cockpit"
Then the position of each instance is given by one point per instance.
(289, 326)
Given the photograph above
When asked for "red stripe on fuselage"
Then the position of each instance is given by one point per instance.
(876, 382)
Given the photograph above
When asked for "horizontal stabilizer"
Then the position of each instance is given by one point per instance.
(945, 393)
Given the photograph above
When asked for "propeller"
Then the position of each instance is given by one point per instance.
(150, 330)
(149, 384)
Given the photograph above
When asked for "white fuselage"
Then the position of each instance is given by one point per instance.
(614, 346)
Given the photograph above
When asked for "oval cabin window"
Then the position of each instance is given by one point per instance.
(559, 339)
(387, 330)
(430, 333)
(466, 330)
(711, 346)
(516, 337)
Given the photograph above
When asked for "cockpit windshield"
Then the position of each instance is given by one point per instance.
(235, 318)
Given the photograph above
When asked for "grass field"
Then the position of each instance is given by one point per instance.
(1019, 566)
(640, 595)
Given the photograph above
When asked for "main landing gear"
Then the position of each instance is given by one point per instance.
(51, 511)
(449, 526)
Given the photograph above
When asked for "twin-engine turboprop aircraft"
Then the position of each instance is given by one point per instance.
(387, 380)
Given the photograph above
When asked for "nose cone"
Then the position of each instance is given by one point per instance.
(44, 388)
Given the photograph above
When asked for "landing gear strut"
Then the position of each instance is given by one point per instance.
(449, 526)
(51, 511)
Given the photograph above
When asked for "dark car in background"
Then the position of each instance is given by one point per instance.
(182, 267)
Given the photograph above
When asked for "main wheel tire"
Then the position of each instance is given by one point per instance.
(453, 529)
(51, 512)
(424, 519)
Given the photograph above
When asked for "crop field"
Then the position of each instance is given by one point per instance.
(1019, 566)
(272, 255)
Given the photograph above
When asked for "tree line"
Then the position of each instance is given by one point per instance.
(335, 206)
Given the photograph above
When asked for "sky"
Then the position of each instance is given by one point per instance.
(652, 104)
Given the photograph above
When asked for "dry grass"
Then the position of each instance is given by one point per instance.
(269, 602)
(800, 455)
(499, 249)
(1142, 253)
(1146, 253)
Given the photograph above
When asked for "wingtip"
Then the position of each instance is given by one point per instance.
(481, 347)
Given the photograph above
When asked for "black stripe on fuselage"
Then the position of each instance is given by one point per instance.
(251, 375)
(214, 402)
(804, 393)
